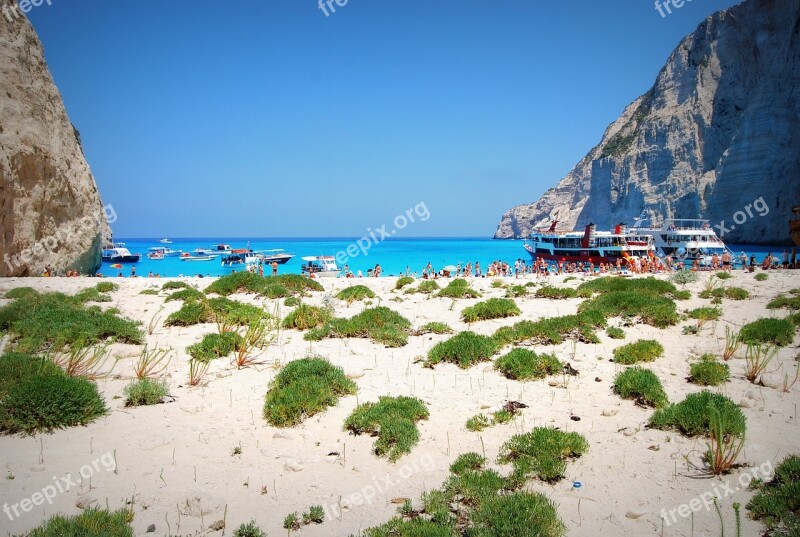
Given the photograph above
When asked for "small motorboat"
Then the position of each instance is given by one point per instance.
(277, 256)
(165, 241)
(320, 266)
(160, 252)
(119, 254)
(187, 257)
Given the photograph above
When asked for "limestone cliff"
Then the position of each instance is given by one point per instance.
(719, 130)
(50, 209)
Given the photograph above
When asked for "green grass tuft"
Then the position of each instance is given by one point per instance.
(355, 293)
(615, 332)
(559, 293)
(644, 350)
(393, 419)
(494, 308)
(523, 364)
(36, 396)
(305, 317)
(777, 503)
(761, 277)
(458, 288)
(553, 330)
(775, 331)
(250, 529)
(788, 302)
(174, 284)
(705, 314)
(38, 322)
(516, 514)
(691, 416)
(403, 281)
(434, 327)
(641, 385)
(145, 392)
(188, 293)
(709, 372)
(467, 462)
(303, 389)
(92, 522)
(723, 275)
(541, 453)
(380, 324)
(425, 287)
(464, 349)
(214, 346)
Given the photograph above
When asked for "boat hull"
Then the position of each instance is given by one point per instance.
(122, 259)
(577, 258)
(279, 259)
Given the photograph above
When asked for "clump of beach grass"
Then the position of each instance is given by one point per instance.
(250, 529)
(542, 453)
(783, 301)
(464, 349)
(39, 322)
(145, 392)
(174, 284)
(188, 293)
(458, 288)
(37, 396)
(211, 310)
(516, 291)
(93, 522)
(615, 332)
(649, 299)
(306, 316)
(684, 277)
(426, 287)
(553, 330)
(380, 324)
(560, 293)
(355, 293)
(214, 346)
(403, 281)
(705, 314)
(433, 327)
(776, 502)
(722, 275)
(393, 420)
(709, 372)
(303, 389)
(494, 308)
(778, 332)
(761, 277)
(644, 350)
(641, 385)
(524, 364)
(692, 415)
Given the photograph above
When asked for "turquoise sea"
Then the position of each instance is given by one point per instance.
(393, 254)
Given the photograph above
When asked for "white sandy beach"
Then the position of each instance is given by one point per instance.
(174, 461)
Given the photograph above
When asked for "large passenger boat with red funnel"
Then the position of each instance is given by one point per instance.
(589, 245)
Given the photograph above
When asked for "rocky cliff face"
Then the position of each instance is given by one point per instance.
(718, 132)
(50, 210)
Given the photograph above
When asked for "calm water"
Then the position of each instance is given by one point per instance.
(392, 254)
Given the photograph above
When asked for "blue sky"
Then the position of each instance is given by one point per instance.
(269, 118)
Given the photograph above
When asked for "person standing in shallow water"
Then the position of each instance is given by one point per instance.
(274, 266)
